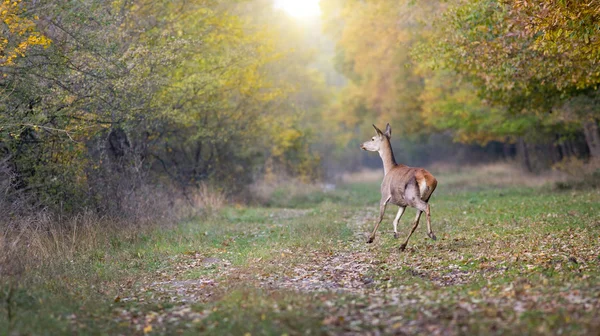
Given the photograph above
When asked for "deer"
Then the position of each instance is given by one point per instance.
(402, 185)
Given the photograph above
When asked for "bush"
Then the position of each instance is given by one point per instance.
(582, 175)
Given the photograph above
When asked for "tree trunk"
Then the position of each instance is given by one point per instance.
(507, 149)
(572, 149)
(564, 149)
(523, 154)
(554, 152)
(592, 137)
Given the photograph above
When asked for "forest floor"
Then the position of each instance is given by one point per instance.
(515, 255)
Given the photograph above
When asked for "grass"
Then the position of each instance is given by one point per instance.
(514, 256)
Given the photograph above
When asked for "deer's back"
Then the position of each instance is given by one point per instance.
(396, 180)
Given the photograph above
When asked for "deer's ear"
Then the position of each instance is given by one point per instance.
(388, 131)
(379, 132)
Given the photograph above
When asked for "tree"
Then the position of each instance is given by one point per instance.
(151, 91)
(528, 58)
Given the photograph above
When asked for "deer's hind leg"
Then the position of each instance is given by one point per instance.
(415, 225)
(429, 230)
(413, 198)
(430, 233)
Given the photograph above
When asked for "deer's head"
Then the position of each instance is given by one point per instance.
(374, 145)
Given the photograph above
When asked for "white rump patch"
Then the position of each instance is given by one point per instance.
(422, 187)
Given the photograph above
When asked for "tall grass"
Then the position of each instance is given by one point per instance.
(208, 198)
(44, 238)
(285, 191)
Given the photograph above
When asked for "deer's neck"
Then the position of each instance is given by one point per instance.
(387, 156)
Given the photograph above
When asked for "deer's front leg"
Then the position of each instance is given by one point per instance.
(396, 220)
(382, 204)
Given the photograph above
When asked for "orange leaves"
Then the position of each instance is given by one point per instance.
(21, 32)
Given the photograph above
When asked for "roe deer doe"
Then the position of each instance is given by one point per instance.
(402, 185)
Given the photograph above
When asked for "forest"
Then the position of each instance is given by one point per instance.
(162, 161)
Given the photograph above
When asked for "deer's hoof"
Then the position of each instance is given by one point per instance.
(432, 236)
(402, 247)
(396, 235)
(370, 240)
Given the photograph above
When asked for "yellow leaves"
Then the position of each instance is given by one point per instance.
(205, 11)
(22, 33)
(270, 95)
(285, 140)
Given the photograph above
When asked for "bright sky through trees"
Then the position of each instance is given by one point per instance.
(299, 8)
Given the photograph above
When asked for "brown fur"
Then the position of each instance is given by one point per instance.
(402, 185)
(395, 182)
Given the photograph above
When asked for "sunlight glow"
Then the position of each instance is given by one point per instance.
(299, 8)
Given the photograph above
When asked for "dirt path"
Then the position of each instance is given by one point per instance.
(348, 271)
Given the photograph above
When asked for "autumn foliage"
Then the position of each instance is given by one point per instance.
(523, 72)
(99, 99)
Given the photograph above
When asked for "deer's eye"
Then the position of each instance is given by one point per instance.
(373, 139)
